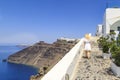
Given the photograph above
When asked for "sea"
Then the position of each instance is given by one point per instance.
(11, 71)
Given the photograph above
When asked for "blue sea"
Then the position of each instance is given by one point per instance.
(10, 71)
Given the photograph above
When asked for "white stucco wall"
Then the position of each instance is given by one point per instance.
(111, 16)
(99, 30)
(66, 65)
(115, 69)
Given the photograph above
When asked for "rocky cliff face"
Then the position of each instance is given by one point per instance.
(42, 54)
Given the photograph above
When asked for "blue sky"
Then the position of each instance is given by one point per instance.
(29, 21)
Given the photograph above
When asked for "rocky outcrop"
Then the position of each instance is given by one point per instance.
(42, 54)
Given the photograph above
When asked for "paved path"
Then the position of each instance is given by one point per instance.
(95, 68)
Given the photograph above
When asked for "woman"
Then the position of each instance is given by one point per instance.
(87, 45)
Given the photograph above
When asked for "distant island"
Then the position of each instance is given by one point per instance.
(22, 45)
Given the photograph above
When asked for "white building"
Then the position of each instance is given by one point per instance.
(111, 21)
(66, 39)
(99, 30)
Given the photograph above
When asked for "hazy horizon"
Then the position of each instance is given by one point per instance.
(30, 21)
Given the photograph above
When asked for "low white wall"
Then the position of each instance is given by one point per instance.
(66, 65)
(115, 69)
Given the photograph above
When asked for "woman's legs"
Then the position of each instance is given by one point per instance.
(85, 53)
(88, 54)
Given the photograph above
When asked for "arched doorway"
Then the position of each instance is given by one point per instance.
(115, 26)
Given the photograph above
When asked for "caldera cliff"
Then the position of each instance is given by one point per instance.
(42, 54)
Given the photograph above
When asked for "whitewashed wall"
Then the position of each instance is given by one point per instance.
(111, 16)
(115, 69)
(99, 30)
(66, 65)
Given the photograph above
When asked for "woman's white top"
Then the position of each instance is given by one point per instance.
(87, 45)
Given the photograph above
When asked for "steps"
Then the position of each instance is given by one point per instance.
(95, 68)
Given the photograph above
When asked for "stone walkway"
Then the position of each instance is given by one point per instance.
(95, 68)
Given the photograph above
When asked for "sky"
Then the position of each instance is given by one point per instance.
(30, 21)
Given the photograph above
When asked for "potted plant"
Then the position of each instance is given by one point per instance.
(106, 45)
(106, 54)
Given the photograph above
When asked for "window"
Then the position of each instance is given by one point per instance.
(111, 30)
(119, 28)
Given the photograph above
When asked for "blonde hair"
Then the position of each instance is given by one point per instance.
(87, 36)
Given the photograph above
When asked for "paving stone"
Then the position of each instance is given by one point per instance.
(95, 68)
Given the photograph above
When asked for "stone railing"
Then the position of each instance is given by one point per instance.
(64, 69)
